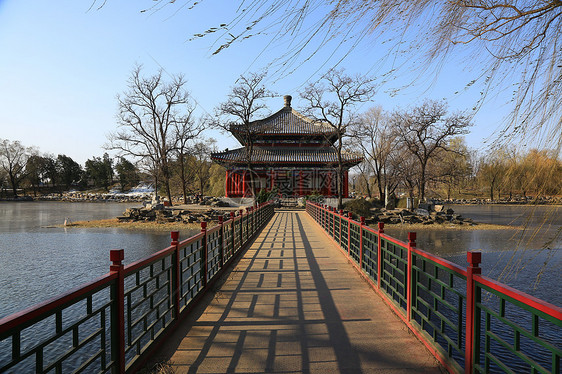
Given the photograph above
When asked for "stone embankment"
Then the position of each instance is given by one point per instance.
(95, 197)
(541, 200)
(161, 214)
(421, 216)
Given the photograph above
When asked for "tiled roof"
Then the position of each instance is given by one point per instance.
(282, 155)
(286, 121)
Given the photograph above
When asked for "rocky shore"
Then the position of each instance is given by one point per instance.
(167, 215)
(422, 216)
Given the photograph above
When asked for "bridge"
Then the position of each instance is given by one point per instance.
(294, 304)
(288, 291)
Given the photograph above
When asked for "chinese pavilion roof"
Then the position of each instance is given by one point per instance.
(286, 121)
(285, 155)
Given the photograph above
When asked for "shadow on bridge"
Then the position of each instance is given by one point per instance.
(294, 304)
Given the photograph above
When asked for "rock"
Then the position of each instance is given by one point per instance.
(422, 212)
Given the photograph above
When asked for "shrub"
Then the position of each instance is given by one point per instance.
(361, 207)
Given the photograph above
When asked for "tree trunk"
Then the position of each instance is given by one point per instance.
(367, 186)
(14, 185)
(183, 181)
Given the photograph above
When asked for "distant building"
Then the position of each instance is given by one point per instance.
(286, 150)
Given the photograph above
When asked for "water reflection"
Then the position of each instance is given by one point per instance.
(37, 263)
(528, 257)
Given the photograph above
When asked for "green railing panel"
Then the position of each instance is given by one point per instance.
(512, 336)
(213, 253)
(148, 306)
(393, 273)
(439, 304)
(370, 254)
(227, 240)
(74, 336)
(191, 282)
(355, 242)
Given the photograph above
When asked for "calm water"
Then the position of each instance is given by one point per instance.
(38, 262)
(528, 258)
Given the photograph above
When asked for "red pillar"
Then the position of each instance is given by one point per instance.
(244, 184)
(227, 185)
(237, 184)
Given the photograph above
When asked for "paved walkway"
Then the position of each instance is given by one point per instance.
(294, 304)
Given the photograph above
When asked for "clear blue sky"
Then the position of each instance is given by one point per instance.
(62, 65)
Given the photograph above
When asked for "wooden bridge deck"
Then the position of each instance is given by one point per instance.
(294, 304)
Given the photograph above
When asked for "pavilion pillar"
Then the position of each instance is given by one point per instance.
(272, 183)
(329, 179)
(227, 184)
(244, 184)
(300, 182)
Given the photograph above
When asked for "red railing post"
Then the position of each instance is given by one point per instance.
(362, 223)
(205, 257)
(349, 217)
(221, 241)
(411, 244)
(379, 253)
(118, 311)
(474, 259)
(176, 273)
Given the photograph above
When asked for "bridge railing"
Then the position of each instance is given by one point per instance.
(469, 322)
(108, 324)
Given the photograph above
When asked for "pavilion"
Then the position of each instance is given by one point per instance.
(285, 150)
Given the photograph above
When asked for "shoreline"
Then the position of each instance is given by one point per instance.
(112, 223)
(177, 226)
(451, 227)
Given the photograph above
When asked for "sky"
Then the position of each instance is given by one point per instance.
(63, 63)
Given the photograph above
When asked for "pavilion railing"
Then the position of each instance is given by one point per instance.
(108, 324)
(469, 322)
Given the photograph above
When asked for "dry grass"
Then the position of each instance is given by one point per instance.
(138, 225)
(447, 226)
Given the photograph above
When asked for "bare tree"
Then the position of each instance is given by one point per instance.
(451, 168)
(185, 133)
(235, 115)
(492, 169)
(508, 41)
(332, 101)
(201, 152)
(153, 115)
(378, 141)
(426, 129)
(13, 160)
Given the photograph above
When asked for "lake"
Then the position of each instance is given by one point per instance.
(528, 258)
(38, 262)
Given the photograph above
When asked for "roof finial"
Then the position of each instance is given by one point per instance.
(288, 99)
